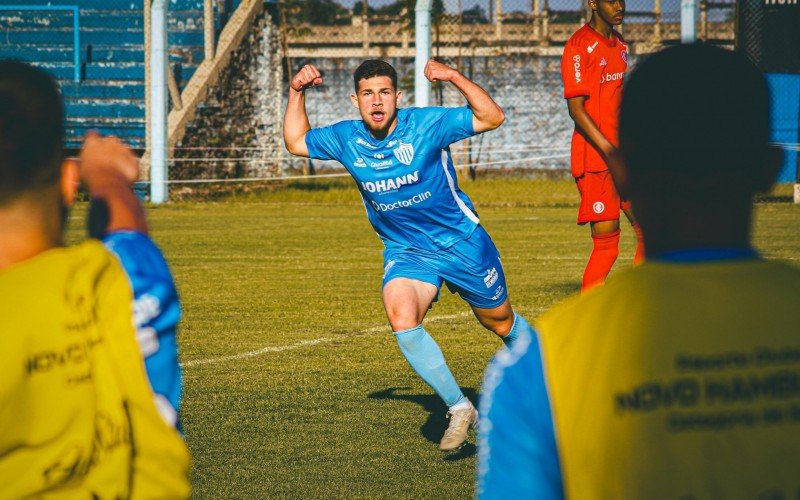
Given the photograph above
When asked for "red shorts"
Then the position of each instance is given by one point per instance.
(599, 198)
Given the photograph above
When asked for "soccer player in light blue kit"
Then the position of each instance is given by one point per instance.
(401, 162)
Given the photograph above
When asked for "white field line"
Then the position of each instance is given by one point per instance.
(304, 343)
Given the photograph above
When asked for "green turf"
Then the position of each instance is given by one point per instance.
(344, 416)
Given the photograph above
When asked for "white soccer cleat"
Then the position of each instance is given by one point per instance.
(456, 433)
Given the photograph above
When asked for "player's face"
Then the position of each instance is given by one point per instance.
(610, 11)
(377, 101)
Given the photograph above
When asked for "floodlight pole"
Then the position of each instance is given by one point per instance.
(688, 21)
(158, 101)
(422, 42)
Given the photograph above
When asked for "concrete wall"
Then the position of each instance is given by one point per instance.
(236, 132)
(528, 88)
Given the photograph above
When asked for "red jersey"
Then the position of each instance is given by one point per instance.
(594, 66)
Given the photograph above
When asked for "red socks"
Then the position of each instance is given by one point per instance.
(604, 254)
(638, 254)
(606, 249)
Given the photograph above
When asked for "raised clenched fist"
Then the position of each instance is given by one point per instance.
(438, 72)
(103, 156)
(308, 76)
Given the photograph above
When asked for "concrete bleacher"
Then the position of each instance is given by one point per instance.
(109, 95)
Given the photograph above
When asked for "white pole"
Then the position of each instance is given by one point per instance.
(688, 21)
(158, 102)
(208, 28)
(422, 37)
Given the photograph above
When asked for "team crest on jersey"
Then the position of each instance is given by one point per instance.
(404, 153)
(491, 277)
(599, 207)
(624, 55)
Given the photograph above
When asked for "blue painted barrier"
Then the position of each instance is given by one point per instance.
(76, 27)
(785, 117)
(95, 50)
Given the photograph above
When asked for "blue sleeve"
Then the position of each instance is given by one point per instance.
(156, 312)
(326, 143)
(517, 453)
(449, 125)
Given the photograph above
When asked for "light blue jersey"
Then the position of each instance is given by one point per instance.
(407, 180)
(156, 311)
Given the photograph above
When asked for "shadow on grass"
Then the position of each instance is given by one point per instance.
(564, 289)
(435, 425)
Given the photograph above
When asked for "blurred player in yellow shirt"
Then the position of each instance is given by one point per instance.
(679, 378)
(78, 417)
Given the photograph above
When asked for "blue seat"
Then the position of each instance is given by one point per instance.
(125, 72)
(101, 90)
(38, 53)
(90, 4)
(110, 109)
(110, 94)
(26, 19)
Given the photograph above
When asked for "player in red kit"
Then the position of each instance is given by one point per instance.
(593, 68)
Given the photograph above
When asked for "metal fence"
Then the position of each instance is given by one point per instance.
(90, 48)
(234, 131)
(512, 48)
(231, 126)
(767, 34)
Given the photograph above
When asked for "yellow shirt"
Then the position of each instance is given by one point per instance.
(77, 417)
(678, 380)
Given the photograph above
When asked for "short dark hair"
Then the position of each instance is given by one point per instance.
(694, 109)
(31, 129)
(372, 68)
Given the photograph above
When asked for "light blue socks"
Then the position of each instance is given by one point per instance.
(425, 357)
(520, 326)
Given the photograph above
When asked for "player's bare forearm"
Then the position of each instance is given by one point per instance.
(296, 124)
(585, 124)
(119, 206)
(487, 115)
(108, 168)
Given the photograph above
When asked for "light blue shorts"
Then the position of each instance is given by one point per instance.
(470, 267)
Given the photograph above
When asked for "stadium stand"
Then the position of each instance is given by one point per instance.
(107, 91)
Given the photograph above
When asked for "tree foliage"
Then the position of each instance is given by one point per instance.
(328, 12)
(475, 15)
(316, 12)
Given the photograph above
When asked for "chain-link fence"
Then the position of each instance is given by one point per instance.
(228, 123)
(224, 120)
(768, 34)
(98, 52)
(512, 48)
(232, 129)
(94, 49)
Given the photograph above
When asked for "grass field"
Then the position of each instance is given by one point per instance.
(294, 384)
